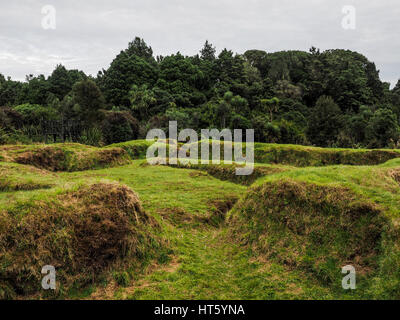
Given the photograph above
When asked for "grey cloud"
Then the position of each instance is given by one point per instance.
(90, 33)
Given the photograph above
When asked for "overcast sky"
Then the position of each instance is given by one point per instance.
(89, 33)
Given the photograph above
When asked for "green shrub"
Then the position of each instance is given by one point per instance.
(3, 136)
(34, 113)
(92, 137)
(119, 126)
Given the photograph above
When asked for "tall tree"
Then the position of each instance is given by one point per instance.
(325, 122)
(142, 99)
(133, 66)
(208, 52)
(270, 106)
(382, 129)
(138, 47)
(90, 100)
(9, 91)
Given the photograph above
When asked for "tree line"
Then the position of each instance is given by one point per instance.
(333, 98)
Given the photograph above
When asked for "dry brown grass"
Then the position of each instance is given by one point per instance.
(46, 158)
(395, 174)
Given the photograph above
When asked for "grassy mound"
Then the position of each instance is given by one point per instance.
(136, 148)
(15, 177)
(81, 233)
(320, 219)
(64, 157)
(313, 227)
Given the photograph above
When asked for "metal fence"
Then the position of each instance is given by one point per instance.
(60, 130)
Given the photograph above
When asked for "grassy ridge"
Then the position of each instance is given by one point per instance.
(293, 155)
(227, 171)
(77, 157)
(136, 149)
(64, 157)
(16, 177)
(302, 156)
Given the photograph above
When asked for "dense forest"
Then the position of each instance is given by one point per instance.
(333, 98)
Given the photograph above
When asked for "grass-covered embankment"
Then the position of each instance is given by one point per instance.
(320, 219)
(64, 157)
(303, 156)
(225, 171)
(283, 154)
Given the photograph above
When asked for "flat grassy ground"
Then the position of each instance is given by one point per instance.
(203, 260)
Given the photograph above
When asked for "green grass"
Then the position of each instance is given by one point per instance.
(210, 267)
(162, 187)
(201, 259)
(15, 177)
(209, 264)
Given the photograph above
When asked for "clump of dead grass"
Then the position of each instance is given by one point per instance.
(47, 158)
(395, 175)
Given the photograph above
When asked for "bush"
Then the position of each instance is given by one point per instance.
(10, 118)
(92, 137)
(119, 127)
(13, 136)
(382, 128)
(3, 136)
(34, 113)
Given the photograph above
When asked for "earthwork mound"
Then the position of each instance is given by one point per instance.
(81, 233)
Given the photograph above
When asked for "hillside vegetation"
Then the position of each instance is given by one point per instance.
(331, 98)
(121, 228)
